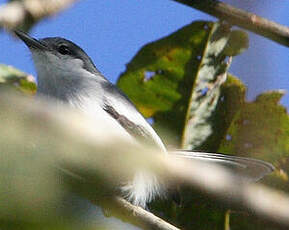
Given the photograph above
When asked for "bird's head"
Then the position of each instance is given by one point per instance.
(57, 54)
(62, 66)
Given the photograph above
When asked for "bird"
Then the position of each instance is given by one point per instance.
(66, 74)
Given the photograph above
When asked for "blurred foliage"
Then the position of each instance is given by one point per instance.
(10, 76)
(179, 82)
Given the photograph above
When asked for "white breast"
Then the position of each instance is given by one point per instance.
(92, 107)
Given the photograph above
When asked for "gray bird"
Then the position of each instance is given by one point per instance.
(67, 75)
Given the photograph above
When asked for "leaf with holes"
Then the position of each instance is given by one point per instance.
(161, 71)
(205, 93)
(10, 76)
(177, 80)
(230, 97)
(260, 129)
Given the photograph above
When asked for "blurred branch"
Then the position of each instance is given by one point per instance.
(71, 139)
(238, 17)
(68, 142)
(23, 14)
(265, 203)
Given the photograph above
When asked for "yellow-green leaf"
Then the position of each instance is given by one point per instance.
(9, 76)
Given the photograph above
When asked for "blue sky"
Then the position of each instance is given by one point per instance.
(111, 32)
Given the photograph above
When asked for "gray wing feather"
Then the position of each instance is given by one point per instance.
(130, 119)
(250, 168)
(133, 129)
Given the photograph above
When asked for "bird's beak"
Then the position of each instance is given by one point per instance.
(31, 42)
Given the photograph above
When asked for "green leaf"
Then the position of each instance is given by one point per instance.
(10, 76)
(237, 44)
(167, 79)
(260, 129)
(230, 99)
(206, 91)
(154, 79)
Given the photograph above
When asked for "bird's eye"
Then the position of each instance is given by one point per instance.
(63, 49)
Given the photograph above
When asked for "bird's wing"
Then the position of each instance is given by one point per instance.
(119, 107)
(249, 168)
(135, 130)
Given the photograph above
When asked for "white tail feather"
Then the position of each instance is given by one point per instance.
(143, 189)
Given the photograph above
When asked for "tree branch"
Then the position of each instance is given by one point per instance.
(264, 203)
(23, 14)
(241, 18)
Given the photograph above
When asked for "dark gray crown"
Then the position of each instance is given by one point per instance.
(59, 45)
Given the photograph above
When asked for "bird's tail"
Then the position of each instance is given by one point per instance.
(248, 168)
(145, 186)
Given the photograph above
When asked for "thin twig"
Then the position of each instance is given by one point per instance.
(146, 219)
(264, 27)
